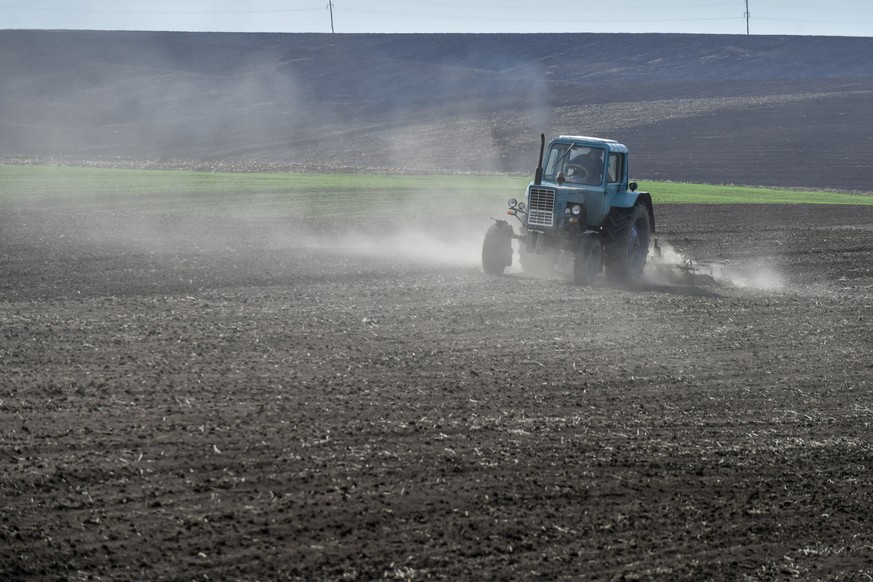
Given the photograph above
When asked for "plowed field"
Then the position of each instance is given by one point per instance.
(249, 399)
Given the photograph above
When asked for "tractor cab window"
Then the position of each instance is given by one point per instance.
(616, 167)
(580, 164)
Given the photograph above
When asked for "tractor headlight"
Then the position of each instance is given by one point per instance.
(567, 211)
(577, 210)
(512, 202)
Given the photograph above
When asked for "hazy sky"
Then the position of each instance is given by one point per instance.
(804, 17)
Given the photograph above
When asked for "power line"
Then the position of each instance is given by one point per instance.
(477, 14)
(164, 12)
(566, 21)
(612, 7)
(795, 6)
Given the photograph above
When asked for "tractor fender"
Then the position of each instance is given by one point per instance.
(628, 199)
(504, 225)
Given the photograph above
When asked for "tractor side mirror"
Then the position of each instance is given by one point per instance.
(632, 186)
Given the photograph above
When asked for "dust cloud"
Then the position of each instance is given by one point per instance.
(463, 248)
(458, 249)
(245, 100)
(668, 266)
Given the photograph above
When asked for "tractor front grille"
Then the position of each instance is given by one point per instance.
(541, 208)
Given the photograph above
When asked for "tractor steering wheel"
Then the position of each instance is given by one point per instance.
(577, 173)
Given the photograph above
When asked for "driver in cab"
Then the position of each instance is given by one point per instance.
(586, 167)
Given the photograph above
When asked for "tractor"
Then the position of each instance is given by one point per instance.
(580, 207)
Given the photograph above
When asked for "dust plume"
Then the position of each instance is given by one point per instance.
(668, 266)
(461, 249)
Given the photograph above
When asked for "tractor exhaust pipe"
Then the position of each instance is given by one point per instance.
(538, 177)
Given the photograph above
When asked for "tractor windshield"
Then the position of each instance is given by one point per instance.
(580, 164)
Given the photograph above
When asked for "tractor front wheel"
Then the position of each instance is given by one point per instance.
(497, 248)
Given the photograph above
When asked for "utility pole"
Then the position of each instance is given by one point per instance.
(330, 7)
(747, 26)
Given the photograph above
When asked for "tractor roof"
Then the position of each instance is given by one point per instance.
(607, 144)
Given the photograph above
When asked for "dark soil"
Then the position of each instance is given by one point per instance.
(223, 399)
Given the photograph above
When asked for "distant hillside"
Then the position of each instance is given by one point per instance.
(794, 111)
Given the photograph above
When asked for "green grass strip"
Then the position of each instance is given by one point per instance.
(681, 193)
(106, 190)
(261, 194)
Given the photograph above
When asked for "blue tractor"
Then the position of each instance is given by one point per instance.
(580, 206)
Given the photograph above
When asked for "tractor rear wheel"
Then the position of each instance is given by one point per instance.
(497, 248)
(586, 263)
(627, 242)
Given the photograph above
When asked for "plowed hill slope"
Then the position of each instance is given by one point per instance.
(795, 111)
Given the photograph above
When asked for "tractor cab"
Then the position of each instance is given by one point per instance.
(586, 171)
